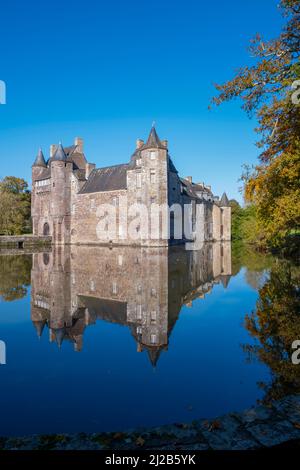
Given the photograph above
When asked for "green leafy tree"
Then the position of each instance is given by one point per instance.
(15, 206)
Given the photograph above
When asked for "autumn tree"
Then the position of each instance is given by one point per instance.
(270, 89)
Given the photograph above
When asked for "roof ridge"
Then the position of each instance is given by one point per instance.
(111, 166)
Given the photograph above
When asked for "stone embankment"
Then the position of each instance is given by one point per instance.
(23, 242)
(257, 428)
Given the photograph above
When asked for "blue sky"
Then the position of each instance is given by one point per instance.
(104, 70)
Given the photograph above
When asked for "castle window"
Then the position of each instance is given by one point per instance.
(42, 183)
(153, 316)
(153, 339)
(152, 199)
(114, 288)
(139, 289)
(120, 260)
(46, 229)
(73, 209)
(92, 203)
(115, 201)
(92, 285)
(46, 259)
(139, 161)
(152, 176)
(153, 292)
(152, 155)
(138, 312)
(139, 180)
(139, 330)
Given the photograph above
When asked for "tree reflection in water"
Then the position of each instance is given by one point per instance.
(14, 276)
(275, 325)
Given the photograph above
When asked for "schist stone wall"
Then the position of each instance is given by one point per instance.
(72, 200)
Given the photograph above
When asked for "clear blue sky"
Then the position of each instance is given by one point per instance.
(104, 70)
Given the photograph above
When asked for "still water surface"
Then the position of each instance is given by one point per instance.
(109, 339)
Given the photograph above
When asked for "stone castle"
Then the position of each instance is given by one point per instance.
(143, 289)
(70, 197)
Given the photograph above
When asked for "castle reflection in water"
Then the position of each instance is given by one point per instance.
(141, 288)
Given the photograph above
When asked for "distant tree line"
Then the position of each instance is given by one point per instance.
(15, 206)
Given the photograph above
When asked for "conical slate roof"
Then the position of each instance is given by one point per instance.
(153, 140)
(224, 201)
(59, 154)
(59, 336)
(154, 354)
(39, 326)
(40, 159)
(225, 278)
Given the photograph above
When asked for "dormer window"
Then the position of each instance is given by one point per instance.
(42, 183)
(138, 161)
(152, 154)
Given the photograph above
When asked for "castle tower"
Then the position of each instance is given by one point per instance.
(38, 169)
(61, 170)
(225, 226)
(148, 182)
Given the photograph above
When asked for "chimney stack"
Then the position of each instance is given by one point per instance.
(189, 179)
(89, 167)
(79, 143)
(164, 143)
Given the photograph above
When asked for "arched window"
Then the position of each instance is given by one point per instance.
(46, 229)
(46, 258)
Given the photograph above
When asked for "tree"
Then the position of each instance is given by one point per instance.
(267, 89)
(244, 224)
(14, 185)
(15, 206)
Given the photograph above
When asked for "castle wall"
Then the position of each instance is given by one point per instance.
(226, 223)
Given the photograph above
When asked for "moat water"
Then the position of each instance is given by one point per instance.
(101, 339)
